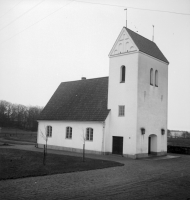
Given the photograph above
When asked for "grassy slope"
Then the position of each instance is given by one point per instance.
(18, 164)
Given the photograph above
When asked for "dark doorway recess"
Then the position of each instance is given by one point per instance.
(149, 145)
(117, 145)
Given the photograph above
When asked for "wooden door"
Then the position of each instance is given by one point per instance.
(117, 146)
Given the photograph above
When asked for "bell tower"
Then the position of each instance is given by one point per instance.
(122, 92)
(137, 96)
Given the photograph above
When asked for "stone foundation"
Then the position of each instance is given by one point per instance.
(135, 156)
(71, 149)
(145, 155)
(163, 153)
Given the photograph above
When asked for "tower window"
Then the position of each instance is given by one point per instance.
(121, 111)
(156, 78)
(151, 76)
(122, 74)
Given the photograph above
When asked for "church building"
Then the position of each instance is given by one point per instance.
(125, 113)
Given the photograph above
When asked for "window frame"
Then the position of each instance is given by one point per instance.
(122, 74)
(69, 133)
(49, 131)
(89, 134)
(151, 76)
(121, 111)
(156, 78)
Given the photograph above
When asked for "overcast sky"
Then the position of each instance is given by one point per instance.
(46, 42)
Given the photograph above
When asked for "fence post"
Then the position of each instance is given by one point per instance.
(44, 159)
(83, 152)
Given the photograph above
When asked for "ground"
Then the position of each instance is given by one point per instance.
(16, 163)
(137, 179)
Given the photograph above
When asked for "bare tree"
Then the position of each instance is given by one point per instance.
(186, 134)
(83, 139)
(169, 133)
(4, 116)
(19, 116)
(44, 135)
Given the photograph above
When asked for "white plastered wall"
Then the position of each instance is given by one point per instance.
(152, 103)
(123, 94)
(59, 139)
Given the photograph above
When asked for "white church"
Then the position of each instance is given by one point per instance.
(125, 113)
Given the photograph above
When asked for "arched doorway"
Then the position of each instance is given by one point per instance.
(152, 144)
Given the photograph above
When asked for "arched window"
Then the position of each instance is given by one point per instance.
(89, 134)
(122, 74)
(68, 132)
(49, 131)
(156, 78)
(151, 76)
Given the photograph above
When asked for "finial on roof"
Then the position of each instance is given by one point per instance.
(126, 16)
(153, 33)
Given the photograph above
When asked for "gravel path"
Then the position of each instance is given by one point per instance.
(138, 179)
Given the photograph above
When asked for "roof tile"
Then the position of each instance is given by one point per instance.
(83, 100)
(147, 46)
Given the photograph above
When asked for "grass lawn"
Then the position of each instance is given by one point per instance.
(22, 139)
(179, 142)
(18, 135)
(16, 163)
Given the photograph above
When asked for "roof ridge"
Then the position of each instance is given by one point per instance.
(147, 46)
(86, 79)
(141, 36)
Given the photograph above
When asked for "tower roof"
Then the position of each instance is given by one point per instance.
(129, 41)
(146, 46)
(83, 100)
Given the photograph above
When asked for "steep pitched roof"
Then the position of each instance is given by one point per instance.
(146, 46)
(83, 100)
